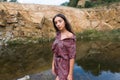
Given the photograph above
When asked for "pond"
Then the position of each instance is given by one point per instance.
(95, 60)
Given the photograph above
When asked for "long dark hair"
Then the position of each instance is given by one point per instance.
(67, 24)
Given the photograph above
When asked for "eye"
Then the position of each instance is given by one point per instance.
(60, 21)
(55, 22)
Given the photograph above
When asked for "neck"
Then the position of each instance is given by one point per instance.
(63, 31)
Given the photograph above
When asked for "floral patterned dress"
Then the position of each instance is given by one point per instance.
(63, 50)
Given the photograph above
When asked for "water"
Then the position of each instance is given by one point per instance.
(95, 60)
(81, 74)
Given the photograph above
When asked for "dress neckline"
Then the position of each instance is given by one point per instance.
(65, 38)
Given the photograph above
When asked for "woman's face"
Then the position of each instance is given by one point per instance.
(60, 23)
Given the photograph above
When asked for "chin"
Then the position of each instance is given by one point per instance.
(60, 29)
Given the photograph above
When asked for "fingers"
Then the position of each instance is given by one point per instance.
(57, 78)
(69, 77)
(53, 72)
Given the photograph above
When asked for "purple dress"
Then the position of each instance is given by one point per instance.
(63, 50)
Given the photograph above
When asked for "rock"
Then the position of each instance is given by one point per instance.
(26, 77)
(2, 19)
(39, 76)
(35, 20)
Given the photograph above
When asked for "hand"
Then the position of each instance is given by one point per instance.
(53, 71)
(70, 77)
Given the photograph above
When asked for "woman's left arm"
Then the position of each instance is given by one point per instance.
(71, 65)
(70, 75)
(72, 56)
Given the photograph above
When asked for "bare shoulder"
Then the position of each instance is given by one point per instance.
(70, 35)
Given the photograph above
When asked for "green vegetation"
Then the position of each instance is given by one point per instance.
(28, 40)
(13, 0)
(7, 0)
(89, 4)
(3, 0)
(73, 3)
(89, 35)
(65, 4)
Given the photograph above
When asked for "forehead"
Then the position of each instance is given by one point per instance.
(58, 18)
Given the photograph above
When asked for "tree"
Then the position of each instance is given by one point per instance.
(73, 3)
(13, 0)
(65, 4)
(89, 4)
(3, 0)
(7, 0)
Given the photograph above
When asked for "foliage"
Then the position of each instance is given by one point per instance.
(65, 4)
(87, 35)
(109, 1)
(111, 35)
(27, 40)
(3, 0)
(13, 0)
(15, 42)
(73, 3)
(7, 0)
(89, 4)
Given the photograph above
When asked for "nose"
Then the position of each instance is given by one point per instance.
(58, 24)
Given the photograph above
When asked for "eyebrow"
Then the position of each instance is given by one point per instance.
(59, 20)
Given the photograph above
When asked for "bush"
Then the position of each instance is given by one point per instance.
(112, 35)
(65, 4)
(88, 4)
(73, 3)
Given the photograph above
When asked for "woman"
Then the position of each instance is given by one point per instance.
(64, 49)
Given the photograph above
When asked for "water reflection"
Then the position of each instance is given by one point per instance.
(19, 60)
(95, 60)
(81, 74)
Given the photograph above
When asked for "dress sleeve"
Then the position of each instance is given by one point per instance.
(71, 48)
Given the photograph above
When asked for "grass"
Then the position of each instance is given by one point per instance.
(21, 41)
(87, 35)
(90, 35)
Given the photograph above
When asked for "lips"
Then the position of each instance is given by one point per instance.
(59, 28)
